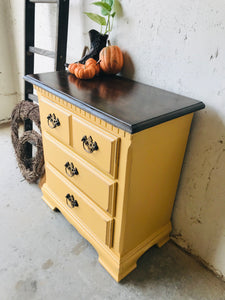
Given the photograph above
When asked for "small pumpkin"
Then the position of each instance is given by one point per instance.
(85, 73)
(111, 59)
(88, 70)
(72, 67)
(94, 63)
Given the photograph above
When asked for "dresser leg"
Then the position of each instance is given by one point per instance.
(163, 240)
(118, 270)
(51, 204)
(120, 266)
(48, 200)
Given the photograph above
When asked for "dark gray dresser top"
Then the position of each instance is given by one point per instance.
(126, 104)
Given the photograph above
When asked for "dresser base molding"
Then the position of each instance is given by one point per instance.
(117, 266)
(127, 263)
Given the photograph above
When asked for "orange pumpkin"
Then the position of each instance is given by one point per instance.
(111, 59)
(72, 67)
(94, 63)
(86, 71)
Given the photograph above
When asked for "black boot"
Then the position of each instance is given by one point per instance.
(97, 43)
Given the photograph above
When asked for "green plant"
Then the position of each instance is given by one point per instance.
(108, 13)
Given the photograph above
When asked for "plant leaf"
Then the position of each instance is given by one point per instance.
(105, 12)
(117, 7)
(109, 2)
(96, 18)
(113, 14)
(103, 5)
(105, 8)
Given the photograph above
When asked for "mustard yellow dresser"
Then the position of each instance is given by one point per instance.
(113, 155)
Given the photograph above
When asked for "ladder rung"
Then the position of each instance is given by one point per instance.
(42, 51)
(44, 1)
(33, 97)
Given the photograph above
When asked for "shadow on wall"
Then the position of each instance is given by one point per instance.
(128, 70)
(199, 212)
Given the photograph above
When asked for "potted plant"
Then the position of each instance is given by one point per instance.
(109, 58)
(105, 20)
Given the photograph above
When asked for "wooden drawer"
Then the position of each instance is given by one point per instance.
(83, 209)
(55, 120)
(92, 182)
(96, 145)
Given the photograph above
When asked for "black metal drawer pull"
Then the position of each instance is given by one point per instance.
(70, 201)
(70, 169)
(88, 144)
(53, 121)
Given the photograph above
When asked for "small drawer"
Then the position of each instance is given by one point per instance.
(79, 206)
(55, 120)
(100, 188)
(96, 145)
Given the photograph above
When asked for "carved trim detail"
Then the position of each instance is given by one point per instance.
(80, 112)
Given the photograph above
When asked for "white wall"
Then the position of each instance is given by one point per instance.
(178, 46)
(8, 90)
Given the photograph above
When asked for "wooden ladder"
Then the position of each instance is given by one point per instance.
(59, 54)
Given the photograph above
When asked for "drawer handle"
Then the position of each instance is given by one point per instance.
(70, 201)
(70, 169)
(88, 144)
(53, 122)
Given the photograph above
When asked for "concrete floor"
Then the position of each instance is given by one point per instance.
(43, 257)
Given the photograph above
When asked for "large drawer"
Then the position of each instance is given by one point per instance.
(55, 120)
(100, 188)
(96, 145)
(79, 206)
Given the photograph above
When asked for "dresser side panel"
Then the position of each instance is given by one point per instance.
(155, 164)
